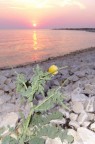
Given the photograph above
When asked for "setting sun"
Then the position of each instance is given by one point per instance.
(34, 25)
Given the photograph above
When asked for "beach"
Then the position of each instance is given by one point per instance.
(79, 90)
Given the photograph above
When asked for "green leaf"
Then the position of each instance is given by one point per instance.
(9, 140)
(38, 119)
(50, 131)
(53, 132)
(36, 140)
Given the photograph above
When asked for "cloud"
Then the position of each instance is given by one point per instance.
(63, 3)
(22, 4)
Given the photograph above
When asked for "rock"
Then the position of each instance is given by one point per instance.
(82, 118)
(55, 82)
(90, 105)
(77, 96)
(4, 98)
(80, 73)
(12, 85)
(65, 113)
(73, 116)
(53, 141)
(1, 92)
(86, 124)
(58, 121)
(73, 78)
(6, 88)
(74, 124)
(92, 127)
(35, 102)
(77, 107)
(2, 79)
(10, 119)
(8, 81)
(39, 97)
(86, 136)
(91, 116)
(89, 89)
(8, 107)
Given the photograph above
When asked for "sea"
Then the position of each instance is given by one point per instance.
(18, 47)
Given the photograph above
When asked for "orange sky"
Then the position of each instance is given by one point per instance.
(47, 13)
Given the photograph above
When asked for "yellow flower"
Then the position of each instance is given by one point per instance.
(53, 69)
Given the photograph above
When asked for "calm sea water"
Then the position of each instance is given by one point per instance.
(23, 46)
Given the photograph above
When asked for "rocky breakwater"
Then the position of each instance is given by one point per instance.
(79, 90)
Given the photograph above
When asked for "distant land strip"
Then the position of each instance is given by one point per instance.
(79, 29)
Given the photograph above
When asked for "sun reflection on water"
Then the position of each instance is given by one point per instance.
(35, 40)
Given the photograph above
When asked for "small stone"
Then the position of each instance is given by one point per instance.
(10, 119)
(86, 124)
(8, 107)
(6, 88)
(53, 141)
(35, 102)
(12, 85)
(82, 118)
(65, 113)
(55, 82)
(2, 79)
(77, 96)
(4, 98)
(80, 74)
(1, 92)
(8, 81)
(77, 107)
(89, 89)
(39, 97)
(73, 116)
(91, 116)
(73, 78)
(92, 127)
(74, 124)
(90, 105)
(58, 121)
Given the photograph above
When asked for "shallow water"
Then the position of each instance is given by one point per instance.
(23, 46)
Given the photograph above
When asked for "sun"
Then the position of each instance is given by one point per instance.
(34, 24)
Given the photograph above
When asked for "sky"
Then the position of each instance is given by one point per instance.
(23, 14)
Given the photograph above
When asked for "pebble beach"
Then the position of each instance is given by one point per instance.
(79, 91)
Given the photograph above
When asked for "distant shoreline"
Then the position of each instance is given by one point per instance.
(78, 29)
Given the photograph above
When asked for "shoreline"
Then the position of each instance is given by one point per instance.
(50, 59)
